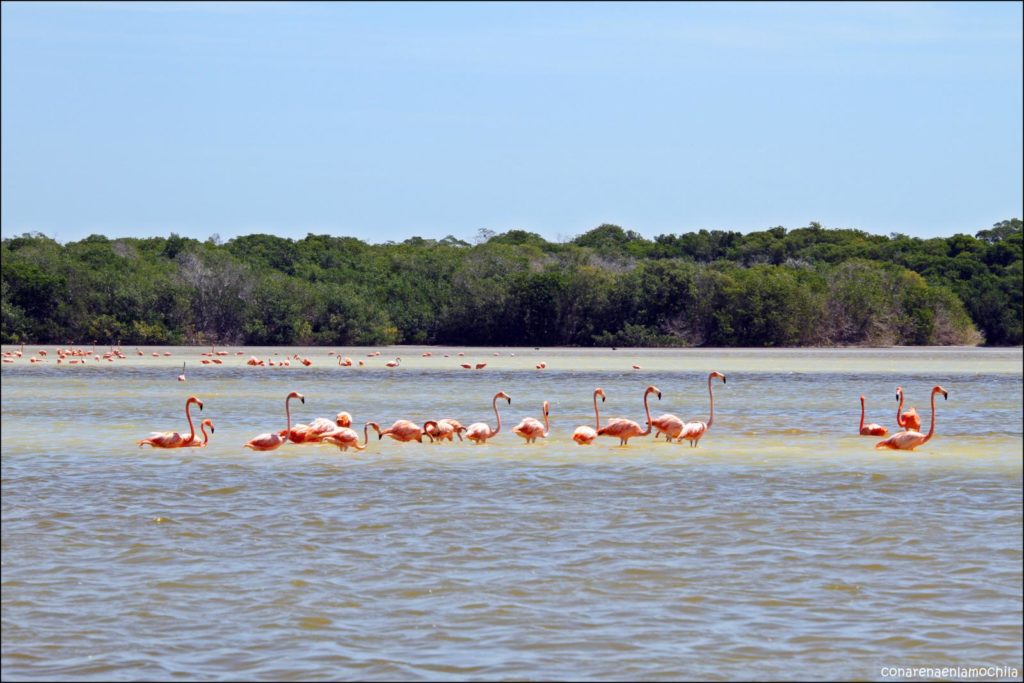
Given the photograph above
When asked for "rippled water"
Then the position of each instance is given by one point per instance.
(784, 546)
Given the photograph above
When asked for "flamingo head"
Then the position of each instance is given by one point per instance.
(297, 395)
(600, 392)
(376, 428)
(899, 393)
(546, 409)
(194, 399)
(653, 390)
(502, 394)
(209, 423)
(718, 375)
(939, 390)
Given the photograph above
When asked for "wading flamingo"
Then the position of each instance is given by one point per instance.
(343, 419)
(667, 424)
(624, 429)
(273, 440)
(911, 439)
(401, 430)
(393, 363)
(174, 439)
(181, 377)
(445, 429)
(530, 428)
(692, 431)
(870, 429)
(345, 438)
(585, 435)
(319, 428)
(196, 443)
(909, 420)
(479, 432)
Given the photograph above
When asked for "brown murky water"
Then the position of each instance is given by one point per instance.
(785, 546)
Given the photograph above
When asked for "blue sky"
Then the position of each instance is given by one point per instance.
(386, 121)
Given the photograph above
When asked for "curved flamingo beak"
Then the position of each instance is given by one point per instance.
(212, 430)
(945, 395)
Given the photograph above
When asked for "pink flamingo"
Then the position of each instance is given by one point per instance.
(343, 419)
(196, 443)
(871, 429)
(345, 438)
(585, 435)
(910, 439)
(669, 425)
(401, 430)
(479, 432)
(624, 429)
(174, 439)
(908, 420)
(393, 363)
(531, 429)
(692, 431)
(319, 428)
(444, 430)
(273, 440)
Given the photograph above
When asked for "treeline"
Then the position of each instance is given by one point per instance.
(805, 287)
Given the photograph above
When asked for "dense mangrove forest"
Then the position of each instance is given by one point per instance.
(810, 286)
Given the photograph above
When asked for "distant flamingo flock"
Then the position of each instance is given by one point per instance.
(339, 431)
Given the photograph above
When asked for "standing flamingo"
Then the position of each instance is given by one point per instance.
(624, 429)
(530, 428)
(174, 439)
(871, 429)
(910, 439)
(692, 431)
(345, 438)
(667, 424)
(401, 430)
(273, 440)
(479, 432)
(181, 377)
(393, 363)
(196, 443)
(444, 430)
(318, 429)
(585, 435)
(908, 420)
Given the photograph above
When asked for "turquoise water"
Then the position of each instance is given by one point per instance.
(784, 546)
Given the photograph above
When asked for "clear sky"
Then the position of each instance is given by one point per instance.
(386, 121)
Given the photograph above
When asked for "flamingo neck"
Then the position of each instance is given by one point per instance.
(899, 409)
(597, 416)
(497, 415)
(288, 416)
(711, 419)
(191, 427)
(862, 413)
(206, 437)
(647, 410)
(932, 429)
(366, 434)
(547, 425)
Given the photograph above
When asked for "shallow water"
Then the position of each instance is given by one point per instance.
(784, 546)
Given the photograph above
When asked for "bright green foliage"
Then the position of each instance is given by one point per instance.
(609, 286)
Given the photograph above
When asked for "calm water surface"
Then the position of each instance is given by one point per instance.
(785, 546)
